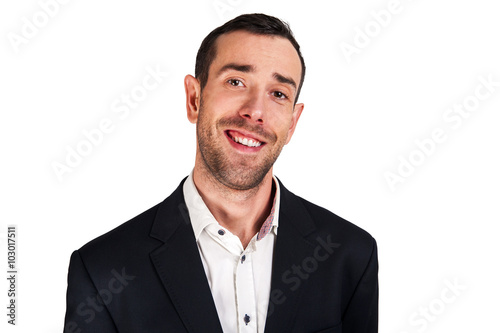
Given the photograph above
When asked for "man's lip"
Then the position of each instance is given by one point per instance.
(243, 134)
(242, 148)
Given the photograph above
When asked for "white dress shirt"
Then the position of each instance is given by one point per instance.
(240, 279)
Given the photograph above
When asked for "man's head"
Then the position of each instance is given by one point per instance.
(243, 99)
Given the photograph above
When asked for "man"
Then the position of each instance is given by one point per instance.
(231, 249)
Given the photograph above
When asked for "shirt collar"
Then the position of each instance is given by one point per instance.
(201, 216)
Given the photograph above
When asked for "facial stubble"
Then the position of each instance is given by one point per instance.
(235, 172)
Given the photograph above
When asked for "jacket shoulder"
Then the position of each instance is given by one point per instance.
(327, 220)
(311, 218)
(128, 232)
(126, 241)
(134, 235)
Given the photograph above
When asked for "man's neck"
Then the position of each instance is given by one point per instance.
(240, 211)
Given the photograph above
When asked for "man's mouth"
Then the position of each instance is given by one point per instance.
(243, 139)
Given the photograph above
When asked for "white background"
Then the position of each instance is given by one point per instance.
(360, 117)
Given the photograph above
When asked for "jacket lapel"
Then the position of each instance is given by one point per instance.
(291, 248)
(179, 266)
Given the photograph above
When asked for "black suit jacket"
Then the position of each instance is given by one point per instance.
(147, 275)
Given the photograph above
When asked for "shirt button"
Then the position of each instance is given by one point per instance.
(221, 232)
(247, 319)
(243, 258)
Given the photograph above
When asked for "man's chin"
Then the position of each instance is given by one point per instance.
(241, 180)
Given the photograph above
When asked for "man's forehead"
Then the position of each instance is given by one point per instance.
(255, 50)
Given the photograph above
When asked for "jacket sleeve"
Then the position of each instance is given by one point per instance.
(85, 311)
(361, 315)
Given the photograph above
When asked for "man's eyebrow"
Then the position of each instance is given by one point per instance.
(286, 80)
(236, 67)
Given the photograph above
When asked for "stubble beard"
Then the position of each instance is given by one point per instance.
(242, 174)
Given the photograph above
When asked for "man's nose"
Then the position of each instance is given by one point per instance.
(253, 109)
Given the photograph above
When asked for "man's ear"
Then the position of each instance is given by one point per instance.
(297, 111)
(192, 87)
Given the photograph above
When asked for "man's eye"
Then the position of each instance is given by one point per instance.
(279, 94)
(235, 82)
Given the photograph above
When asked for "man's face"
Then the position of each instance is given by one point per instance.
(246, 109)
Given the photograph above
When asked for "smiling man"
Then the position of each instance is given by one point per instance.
(232, 250)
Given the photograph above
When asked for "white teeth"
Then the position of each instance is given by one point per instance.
(247, 142)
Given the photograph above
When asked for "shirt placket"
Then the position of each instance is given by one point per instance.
(245, 294)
